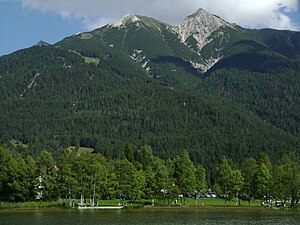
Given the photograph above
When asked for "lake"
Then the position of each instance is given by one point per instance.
(215, 216)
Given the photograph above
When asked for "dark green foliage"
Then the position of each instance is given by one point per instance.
(287, 178)
(273, 96)
(101, 105)
(184, 173)
(229, 178)
(129, 181)
(228, 41)
(259, 71)
(284, 42)
(93, 177)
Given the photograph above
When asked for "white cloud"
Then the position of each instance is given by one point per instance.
(250, 13)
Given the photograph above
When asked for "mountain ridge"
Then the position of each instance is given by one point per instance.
(199, 26)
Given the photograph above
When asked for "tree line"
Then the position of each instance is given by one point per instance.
(142, 175)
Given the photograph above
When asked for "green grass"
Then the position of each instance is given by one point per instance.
(81, 150)
(33, 204)
(91, 60)
(210, 202)
(204, 202)
(87, 59)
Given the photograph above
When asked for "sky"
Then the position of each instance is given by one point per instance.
(24, 23)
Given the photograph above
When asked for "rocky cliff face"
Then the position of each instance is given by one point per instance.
(200, 25)
(131, 18)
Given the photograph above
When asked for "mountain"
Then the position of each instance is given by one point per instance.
(42, 43)
(204, 43)
(206, 85)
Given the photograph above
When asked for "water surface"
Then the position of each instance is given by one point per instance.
(151, 217)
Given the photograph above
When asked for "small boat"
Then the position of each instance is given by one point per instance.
(93, 206)
(101, 207)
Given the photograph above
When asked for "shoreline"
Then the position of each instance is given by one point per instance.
(204, 203)
(149, 207)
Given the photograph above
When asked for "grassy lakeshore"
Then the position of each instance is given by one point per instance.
(203, 202)
(31, 205)
(199, 203)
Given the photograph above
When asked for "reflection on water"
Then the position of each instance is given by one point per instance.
(151, 216)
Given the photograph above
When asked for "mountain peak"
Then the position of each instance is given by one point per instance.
(200, 25)
(131, 18)
(41, 43)
(202, 13)
(199, 12)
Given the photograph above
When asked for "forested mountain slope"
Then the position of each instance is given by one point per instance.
(263, 77)
(218, 91)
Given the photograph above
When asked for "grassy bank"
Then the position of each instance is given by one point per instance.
(203, 202)
(32, 204)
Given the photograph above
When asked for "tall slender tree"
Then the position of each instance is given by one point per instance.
(185, 173)
(287, 177)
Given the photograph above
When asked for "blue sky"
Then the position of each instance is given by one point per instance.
(23, 28)
(23, 23)
(295, 16)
